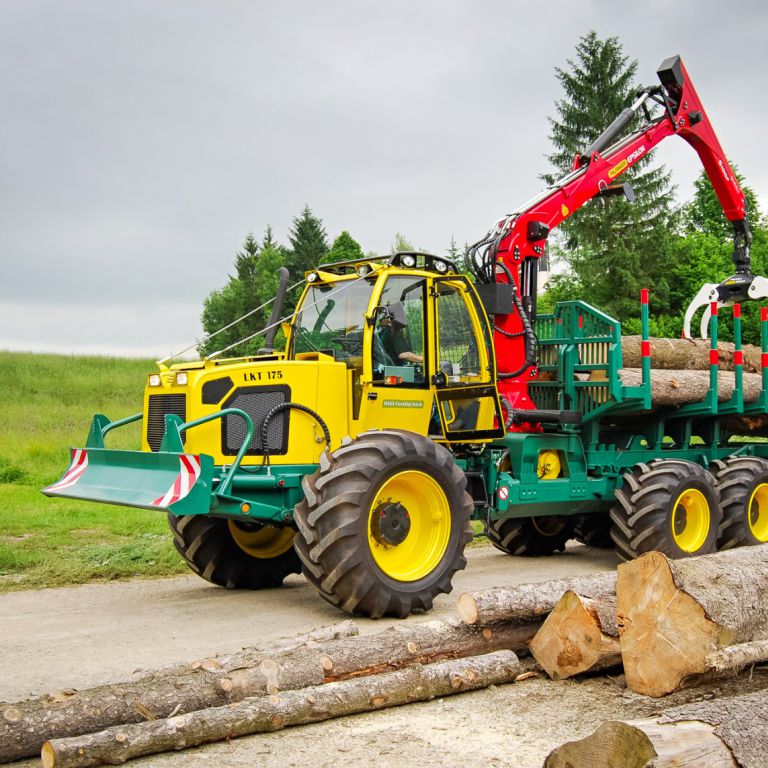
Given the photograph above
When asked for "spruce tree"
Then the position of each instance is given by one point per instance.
(309, 245)
(613, 247)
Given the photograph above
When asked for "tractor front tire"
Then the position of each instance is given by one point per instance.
(667, 505)
(530, 536)
(232, 554)
(384, 523)
(743, 485)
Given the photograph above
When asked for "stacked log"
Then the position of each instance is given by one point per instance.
(579, 635)
(680, 387)
(687, 354)
(524, 601)
(686, 621)
(726, 733)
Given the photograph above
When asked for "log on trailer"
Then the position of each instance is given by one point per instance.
(680, 387)
(24, 726)
(679, 620)
(528, 601)
(688, 354)
(272, 713)
(579, 635)
(725, 733)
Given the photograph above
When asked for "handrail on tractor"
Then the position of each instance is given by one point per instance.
(172, 440)
(121, 423)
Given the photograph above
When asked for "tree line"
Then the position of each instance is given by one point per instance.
(603, 254)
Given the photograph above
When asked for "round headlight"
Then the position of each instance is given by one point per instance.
(312, 277)
(408, 261)
(441, 266)
(362, 270)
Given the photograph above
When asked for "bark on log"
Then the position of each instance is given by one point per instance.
(24, 726)
(680, 387)
(272, 713)
(579, 635)
(725, 733)
(690, 354)
(529, 601)
(673, 615)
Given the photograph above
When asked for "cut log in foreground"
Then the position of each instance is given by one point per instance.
(26, 725)
(526, 601)
(687, 354)
(726, 733)
(271, 713)
(680, 619)
(680, 387)
(580, 635)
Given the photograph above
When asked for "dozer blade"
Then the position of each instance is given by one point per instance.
(174, 482)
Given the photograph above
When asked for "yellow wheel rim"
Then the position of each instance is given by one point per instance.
(425, 507)
(265, 542)
(757, 510)
(690, 520)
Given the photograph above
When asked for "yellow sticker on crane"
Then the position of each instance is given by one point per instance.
(617, 169)
(564, 210)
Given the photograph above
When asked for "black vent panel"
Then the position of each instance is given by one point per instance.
(159, 406)
(257, 402)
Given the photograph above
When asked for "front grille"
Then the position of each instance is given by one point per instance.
(159, 406)
(257, 402)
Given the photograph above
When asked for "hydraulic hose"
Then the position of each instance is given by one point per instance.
(531, 342)
(284, 407)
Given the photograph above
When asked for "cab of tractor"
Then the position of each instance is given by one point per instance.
(414, 339)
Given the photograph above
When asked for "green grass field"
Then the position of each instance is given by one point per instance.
(47, 402)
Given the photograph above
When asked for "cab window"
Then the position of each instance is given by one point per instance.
(332, 319)
(397, 349)
(458, 355)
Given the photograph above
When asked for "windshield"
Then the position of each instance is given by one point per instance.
(332, 319)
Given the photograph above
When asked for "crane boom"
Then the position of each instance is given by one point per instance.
(510, 251)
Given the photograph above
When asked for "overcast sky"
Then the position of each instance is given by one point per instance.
(141, 140)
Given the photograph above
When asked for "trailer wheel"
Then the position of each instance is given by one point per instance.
(530, 536)
(384, 523)
(594, 530)
(667, 505)
(743, 484)
(232, 554)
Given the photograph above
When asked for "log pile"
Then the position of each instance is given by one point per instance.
(669, 623)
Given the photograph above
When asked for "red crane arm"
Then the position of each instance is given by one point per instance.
(517, 241)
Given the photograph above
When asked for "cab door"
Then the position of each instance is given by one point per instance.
(396, 392)
(462, 364)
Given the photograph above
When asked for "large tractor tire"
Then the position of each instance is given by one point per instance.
(232, 554)
(384, 523)
(743, 485)
(530, 536)
(667, 505)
